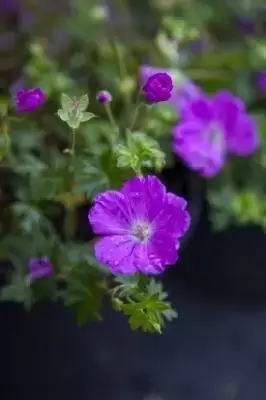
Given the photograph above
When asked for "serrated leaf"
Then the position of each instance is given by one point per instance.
(94, 175)
(85, 292)
(86, 116)
(63, 114)
(140, 151)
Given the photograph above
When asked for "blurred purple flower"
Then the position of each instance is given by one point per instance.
(40, 267)
(104, 96)
(141, 224)
(261, 81)
(158, 87)
(247, 25)
(29, 100)
(8, 5)
(197, 46)
(183, 91)
(17, 85)
(210, 129)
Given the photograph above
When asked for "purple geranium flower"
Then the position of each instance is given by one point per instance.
(210, 129)
(29, 100)
(40, 267)
(183, 91)
(141, 224)
(261, 81)
(158, 87)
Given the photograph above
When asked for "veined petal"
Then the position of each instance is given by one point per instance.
(146, 196)
(110, 214)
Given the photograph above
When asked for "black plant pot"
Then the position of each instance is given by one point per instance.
(230, 264)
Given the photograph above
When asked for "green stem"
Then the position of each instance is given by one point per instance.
(73, 144)
(112, 121)
(136, 111)
(138, 171)
(70, 216)
(123, 73)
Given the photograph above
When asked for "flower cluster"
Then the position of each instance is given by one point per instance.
(138, 225)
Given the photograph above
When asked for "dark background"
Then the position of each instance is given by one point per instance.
(215, 350)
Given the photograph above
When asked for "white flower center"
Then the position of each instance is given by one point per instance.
(215, 136)
(141, 230)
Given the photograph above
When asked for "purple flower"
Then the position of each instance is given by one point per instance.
(246, 25)
(261, 81)
(29, 100)
(40, 267)
(104, 97)
(141, 224)
(183, 91)
(9, 5)
(158, 87)
(210, 129)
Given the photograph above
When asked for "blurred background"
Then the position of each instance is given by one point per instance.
(216, 349)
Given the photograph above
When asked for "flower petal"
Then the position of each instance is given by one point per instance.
(173, 218)
(244, 139)
(181, 218)
(227, 109)
(193, 145)
(200, 108)
(110, 214)
(162, 249)
(117, 252)
(184, 93)
(125, 256)
(146, 196)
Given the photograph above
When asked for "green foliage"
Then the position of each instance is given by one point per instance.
(97, 174)
(18, 290)
(144, 302)
(140, 151)
(86, 282)
(50, 168)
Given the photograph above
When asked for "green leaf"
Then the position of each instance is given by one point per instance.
(83, 103)
(49, 183)
(86, 116)
(94, 175)
(85, 291)
(144, 301)
(140, 151)
(18, 290)
(73, 122)
(66, 103)
(63, 114)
